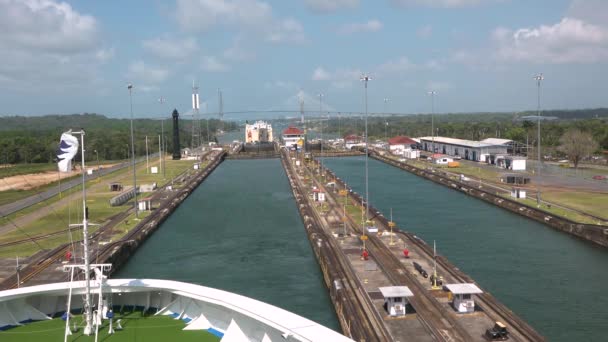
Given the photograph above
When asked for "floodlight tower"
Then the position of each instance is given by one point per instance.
(130, 87)
(321, 122)
(365, 78)
(221, 108)
(539, 78)
(432, 93)
(302, 109)
(195, 109)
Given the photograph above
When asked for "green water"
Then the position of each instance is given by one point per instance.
(554, 281)
(240, 231)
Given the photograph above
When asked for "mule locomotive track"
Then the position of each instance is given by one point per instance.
(439, 323)
(389, 262)
(355, 311)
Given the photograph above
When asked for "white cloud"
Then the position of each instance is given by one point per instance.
(250, 16)
(104, 55)
(590, 11)
(287, 31)
(441, 3)
(168, 47)
(320, 74)
(327, 6)
(143, 75)
(396, 66)
(47, 25)
(213, 64)
(370, 26)
(569, 41)
(339, 79)
(45, 41)
(238, 52)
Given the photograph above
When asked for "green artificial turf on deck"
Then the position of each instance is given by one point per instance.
(135, 328)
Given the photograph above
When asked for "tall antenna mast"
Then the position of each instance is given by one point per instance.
(195, 108)
(301, 109)
(221, 108)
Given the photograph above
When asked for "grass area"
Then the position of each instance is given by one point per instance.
(556, 211)
(589, 202)
(9, 196)
(593, 203)
(135, 328)
(100, 210)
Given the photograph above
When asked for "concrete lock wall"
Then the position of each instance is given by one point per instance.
(593, 233)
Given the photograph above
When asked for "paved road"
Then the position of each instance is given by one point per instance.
(10, 208)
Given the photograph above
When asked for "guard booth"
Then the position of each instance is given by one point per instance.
(145, 204)
(395, 299)
(461, 296)
(318, 195)
(518, 193)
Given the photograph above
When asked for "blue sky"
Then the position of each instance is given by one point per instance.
(478, 55)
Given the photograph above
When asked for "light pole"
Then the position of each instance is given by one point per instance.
(321, 121)
(130, 87)
(162, 135)
(386, 121)
(538, 79)
(432, 93)
(365, 78)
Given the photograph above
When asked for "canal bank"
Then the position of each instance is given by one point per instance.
(239, 231)
(550, 279)
(589, 232)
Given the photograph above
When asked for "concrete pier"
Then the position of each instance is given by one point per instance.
(338, 237)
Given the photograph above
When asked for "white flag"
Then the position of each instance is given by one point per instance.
(68, 147)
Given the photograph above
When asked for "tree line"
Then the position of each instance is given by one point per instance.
(469, 126)
(36, 139)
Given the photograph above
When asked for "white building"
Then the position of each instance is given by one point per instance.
(462, 296)
(260, 131)
(403, 146)
(352, 140)
(515, 163)
(291, 136)
(466, 149)
(395, 299)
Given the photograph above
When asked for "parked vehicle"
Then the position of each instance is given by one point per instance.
(498, 332)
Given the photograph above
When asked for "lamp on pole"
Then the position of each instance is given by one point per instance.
(162, 136)
(365, 78)
(432, 93)
(130, 87)
(386, 121)
(538, 79)
(321, 121)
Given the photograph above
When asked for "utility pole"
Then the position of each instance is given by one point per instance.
(321, 122)
(432, 93)
(162, 136)
(195, 107)
(221, 108)
(147, 157)
(365, 78)
(130, 87)
(538, 79)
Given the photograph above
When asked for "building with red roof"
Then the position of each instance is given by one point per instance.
(291, 136)
(403, 146)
